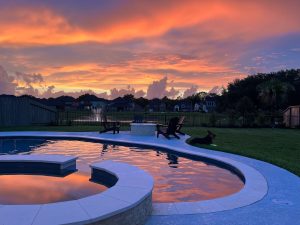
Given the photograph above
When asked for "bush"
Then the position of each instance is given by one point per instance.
(260, 120)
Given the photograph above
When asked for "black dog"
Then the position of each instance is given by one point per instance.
(207, 140)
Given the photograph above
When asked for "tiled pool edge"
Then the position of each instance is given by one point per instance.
(254, 190)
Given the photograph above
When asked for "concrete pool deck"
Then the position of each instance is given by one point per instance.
(280, 205)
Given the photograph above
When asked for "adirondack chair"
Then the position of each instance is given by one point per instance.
(180, 125)
(113, 126)
(168, 130)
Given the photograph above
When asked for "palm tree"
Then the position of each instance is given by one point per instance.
(274, 93)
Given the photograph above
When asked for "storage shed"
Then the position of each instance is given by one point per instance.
(291, 116)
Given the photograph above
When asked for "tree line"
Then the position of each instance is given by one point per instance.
(268, 92)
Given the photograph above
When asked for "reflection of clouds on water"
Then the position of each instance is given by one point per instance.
(37, 189)
(176, 178)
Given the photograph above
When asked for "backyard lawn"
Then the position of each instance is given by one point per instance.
(277, 146)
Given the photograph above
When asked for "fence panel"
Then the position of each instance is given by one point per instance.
(192, 119)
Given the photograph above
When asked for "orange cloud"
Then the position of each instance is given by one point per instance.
(221, 19)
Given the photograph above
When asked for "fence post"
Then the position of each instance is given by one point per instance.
(298, 117)
(57, 117)
(165, 118)
(67, 120)
(193, 120)
(290, 117)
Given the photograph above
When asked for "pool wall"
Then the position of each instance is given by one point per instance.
(52, 165)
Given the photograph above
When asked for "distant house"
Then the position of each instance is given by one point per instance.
(86, 105)
(198, 107)
(183, 106)
(73, 105)
(209, 104)
(157, 105)
(98, 104)
(23, 111)
(291, 116)
(206, 105)
(61, 103)
(121, 105)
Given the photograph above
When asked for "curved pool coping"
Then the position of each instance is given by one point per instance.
(130, 195)
(254, 190)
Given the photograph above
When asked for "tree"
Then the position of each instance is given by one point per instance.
(245, 105)
(248, 86)
(274, 93)
(143, 102)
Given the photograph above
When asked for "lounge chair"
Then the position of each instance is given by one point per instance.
(168, 130)
(180, 125)
(113, 126)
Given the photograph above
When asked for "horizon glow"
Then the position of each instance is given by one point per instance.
(49, 48)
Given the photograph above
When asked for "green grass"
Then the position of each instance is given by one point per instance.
(278, 146)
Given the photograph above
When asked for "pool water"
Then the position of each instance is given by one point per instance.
(176, 178)
(38, 189)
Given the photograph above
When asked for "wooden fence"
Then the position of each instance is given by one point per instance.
(22, 111)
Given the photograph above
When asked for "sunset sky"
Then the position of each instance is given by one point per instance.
(148, 48)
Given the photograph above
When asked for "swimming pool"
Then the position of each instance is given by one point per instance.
(177, 178)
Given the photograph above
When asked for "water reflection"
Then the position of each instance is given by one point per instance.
(37, 189)
(176, 178)
(173, 160)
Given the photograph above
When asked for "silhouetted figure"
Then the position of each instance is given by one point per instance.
(173, 160)
(180, 125)
(170, 129)
(113, 126)
(207, 140)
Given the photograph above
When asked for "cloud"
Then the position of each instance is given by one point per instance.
(35, 85)
(172, 93)
(190, 91)
(216, 90)
(127, 21)
(50, 92)
(7, 85)
(114, 93)
(158, 89)
(112, 44)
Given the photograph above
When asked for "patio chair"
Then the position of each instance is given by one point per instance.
(113, 126)
(180, 125)
(170, 129)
